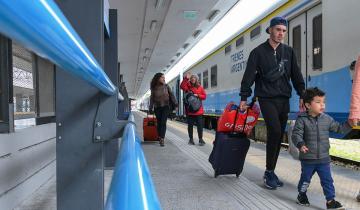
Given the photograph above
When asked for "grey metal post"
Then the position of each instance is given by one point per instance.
(6, 85)
(111, 69)
(80, 175)
(44, 86)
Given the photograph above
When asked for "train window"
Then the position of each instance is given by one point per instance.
(205, 79)
(317, 42)
(199, 76)
(297, 43)
(213, 76)
(240, 41)
(255, 32)
(227, 49)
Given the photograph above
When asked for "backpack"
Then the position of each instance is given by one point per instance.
(192, 103)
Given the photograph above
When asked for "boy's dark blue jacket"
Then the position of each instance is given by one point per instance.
(313, 132)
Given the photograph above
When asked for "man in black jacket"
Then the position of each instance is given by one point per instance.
(271, 66)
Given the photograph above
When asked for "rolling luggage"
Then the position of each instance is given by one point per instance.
(229, 152)
(149, 128)
(230, 148)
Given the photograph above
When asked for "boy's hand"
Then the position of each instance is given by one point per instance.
(187, 75)
(304, 149)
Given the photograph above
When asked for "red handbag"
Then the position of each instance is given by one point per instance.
(232, 115)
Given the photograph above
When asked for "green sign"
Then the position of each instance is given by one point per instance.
(190, 15)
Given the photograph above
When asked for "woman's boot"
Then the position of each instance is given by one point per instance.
(161, 141)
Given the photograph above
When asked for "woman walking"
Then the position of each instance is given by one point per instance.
(191, 84)
(160, 100)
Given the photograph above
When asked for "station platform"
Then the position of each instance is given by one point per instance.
(184, 179)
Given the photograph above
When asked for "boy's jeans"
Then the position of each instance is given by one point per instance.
(323, 170)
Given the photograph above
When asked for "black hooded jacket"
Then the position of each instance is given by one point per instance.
(263, 59)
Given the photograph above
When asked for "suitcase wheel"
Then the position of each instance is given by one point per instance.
(237, 174)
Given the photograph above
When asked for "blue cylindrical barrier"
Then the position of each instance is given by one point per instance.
(131, 185)
(40, 26)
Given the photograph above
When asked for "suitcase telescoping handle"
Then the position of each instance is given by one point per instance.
(253, 100)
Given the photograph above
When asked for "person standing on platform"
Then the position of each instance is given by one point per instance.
(191, 83)
(354, 114)
(271, 66)
(311, 137)
(161, 99)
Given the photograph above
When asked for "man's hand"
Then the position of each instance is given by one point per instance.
(196, 95)
(302, 107)
(304, 149)
(243, 106)
(353, 122)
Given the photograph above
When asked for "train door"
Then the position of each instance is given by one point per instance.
(297, 39)
(305, 36)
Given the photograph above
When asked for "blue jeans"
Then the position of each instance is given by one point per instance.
(323, 170)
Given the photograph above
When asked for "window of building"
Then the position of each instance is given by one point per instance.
(240, 41)
(297, 43)
(317, 42)
(199, 76)
(255, 32)
(205, 79)
(24, 94)
(213, 76)
(227, 49)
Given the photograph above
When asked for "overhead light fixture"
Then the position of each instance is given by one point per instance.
(147, 51)
(167, 66)
(141, 69)
(153, 25)
(159, 4)
(172, 61)
(144, 59)
(196, 33)
(178, 54)
(213, 14)
(185, 45)
(164, 70)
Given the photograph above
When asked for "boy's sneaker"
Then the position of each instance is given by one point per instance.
(333, 204)
(191, 142)
(270, 180)
(201, 142)
(278, 182)
(302, 200)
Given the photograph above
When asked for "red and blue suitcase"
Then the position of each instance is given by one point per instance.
(149, 128)
(230, 148)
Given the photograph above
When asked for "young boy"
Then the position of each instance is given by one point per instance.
(311, 136)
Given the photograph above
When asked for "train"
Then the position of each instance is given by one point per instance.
(325, 37)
